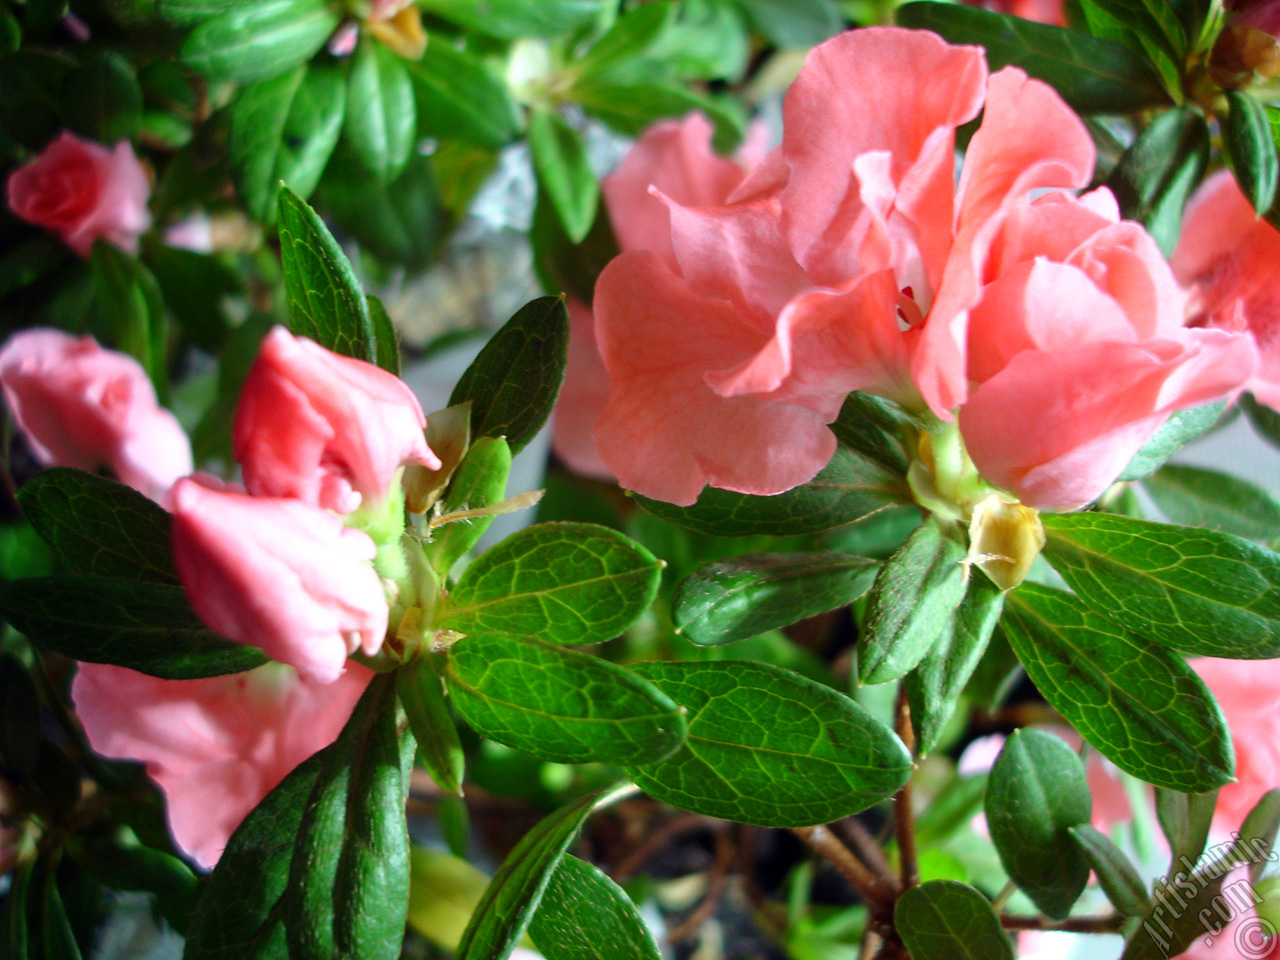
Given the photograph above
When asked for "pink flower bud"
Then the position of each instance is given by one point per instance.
(325, 428)
(81, 191)
(78, 405)
(279, 574)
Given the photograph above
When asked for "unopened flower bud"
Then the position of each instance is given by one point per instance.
(1004, 540)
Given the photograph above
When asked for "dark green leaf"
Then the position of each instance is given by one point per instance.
(325, 299)
(1093, 76)
(1142, 707)
(20, 738)
(914, 597)
(388, 343)
(131, 866)
(481, 481)
(1250, 149)
(769, 747)
(381, 119)
(934, 687)
(30, 108)
(1153, 19)
(1265, 420)
(259, 40)
(947, 920)
(871, 426)
(513, 19)
(130, 297)
(56, 939)
(285, 129)
(628, 40)
(564, 171)
(848, 488)
(149, 627)
(1196, 590)
(744, 596)
(581, 910)
(1258, 833)
(571, 583)
(799, 24)
(1219, 501)
(559, 704)
(196, 289)
(564, 265)
(102, 99)
(513, 895)
(421, 692)
(458, 97)
(1185, 819)
(513, 383)
(100, 527)
(1035, 794)
(1117, 875)
(1157, 173)
(1179, 430)
(632, 107)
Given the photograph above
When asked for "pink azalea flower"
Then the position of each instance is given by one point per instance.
(851, 259)
(279, 574)
(216, 746)
(81, 191)
(324, 428)
(78, 405)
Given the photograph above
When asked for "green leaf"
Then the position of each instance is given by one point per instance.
(381, 122)
(1265, 420)
(149, 627)
(1250, 149)
(348, 891)
(100, 527)
(581, 910)
(1176, 432)
(458, 97)
(564, 171)
(628, 40)
(1206, 498)
(102, 99)
(848, 488)
(1035, 794)
(1157, 173)
(422, 695)
(1142, 707)
(284, 129)
(513, 382)
(872, 427)
(1154, 19)
(935, 686)
(769, 747)
(558, 704)
(513, 19)
(325, 299)
(744, 596)
(259, 40)
(133, 867)
(517, 888)
(798, 24)
(630, 108)
(193, 11)
(1117, 875)
(1185, 819)
(1195, 590)
(1092, 75)
(130, 297)
(481, 481)
(30, 105)
(947, 920)
(915, 595)
(388, 343)
(570, 583)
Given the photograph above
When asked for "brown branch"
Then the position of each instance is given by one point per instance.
(903, 817)
(655, 841)
(859, 839)
(878, 894)
(1108, 924)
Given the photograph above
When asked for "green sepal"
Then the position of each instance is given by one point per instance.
(422, 695)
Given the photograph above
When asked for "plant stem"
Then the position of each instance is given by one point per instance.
(1108, 924)
(878, 894)
(903, 818)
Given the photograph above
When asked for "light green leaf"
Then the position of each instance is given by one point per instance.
(1206, 498)
(481, 481)
(381, 119)
(947, 920)
(581, 910)
(259, 40)
(564, 171)
(1180, 429)
(1116, 874)
(798, 24)
(458, 97)
(628, 40)
(513, 19)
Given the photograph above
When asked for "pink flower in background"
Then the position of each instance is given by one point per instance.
(215, 746)
(82, 191)
(1042, 11)
(851, 259)
(324, 428)
(279, 574)
(78, 405)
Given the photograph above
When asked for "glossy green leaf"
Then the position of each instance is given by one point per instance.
(1118, 877)
(458, 97)
(1156, 20)
(1157, 173)
(1195, 590)
(934, 687)
(744, 596)
(1035, 794)
(628, 40)
(149, 627)
(130, 298)
(481, 481)
(259, 40)
(1185, 820)
(422, 695)
(100, 527)
(872, 427)
(513, 383)
(948, 920)
(193, 11)
(915, 595)
(848, 488)
(564, 171)
(1141, 706)
(570, 583)
(1093, 76)
(1250, 149)
(384, 331)
(325, 299)
(513, 19)
(559, 704)
(797, 24)
(581, 910)
(517, 888)
(1180, 429)
(1206, 498)
(630, 108)
(769, 747)
(381, 119)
